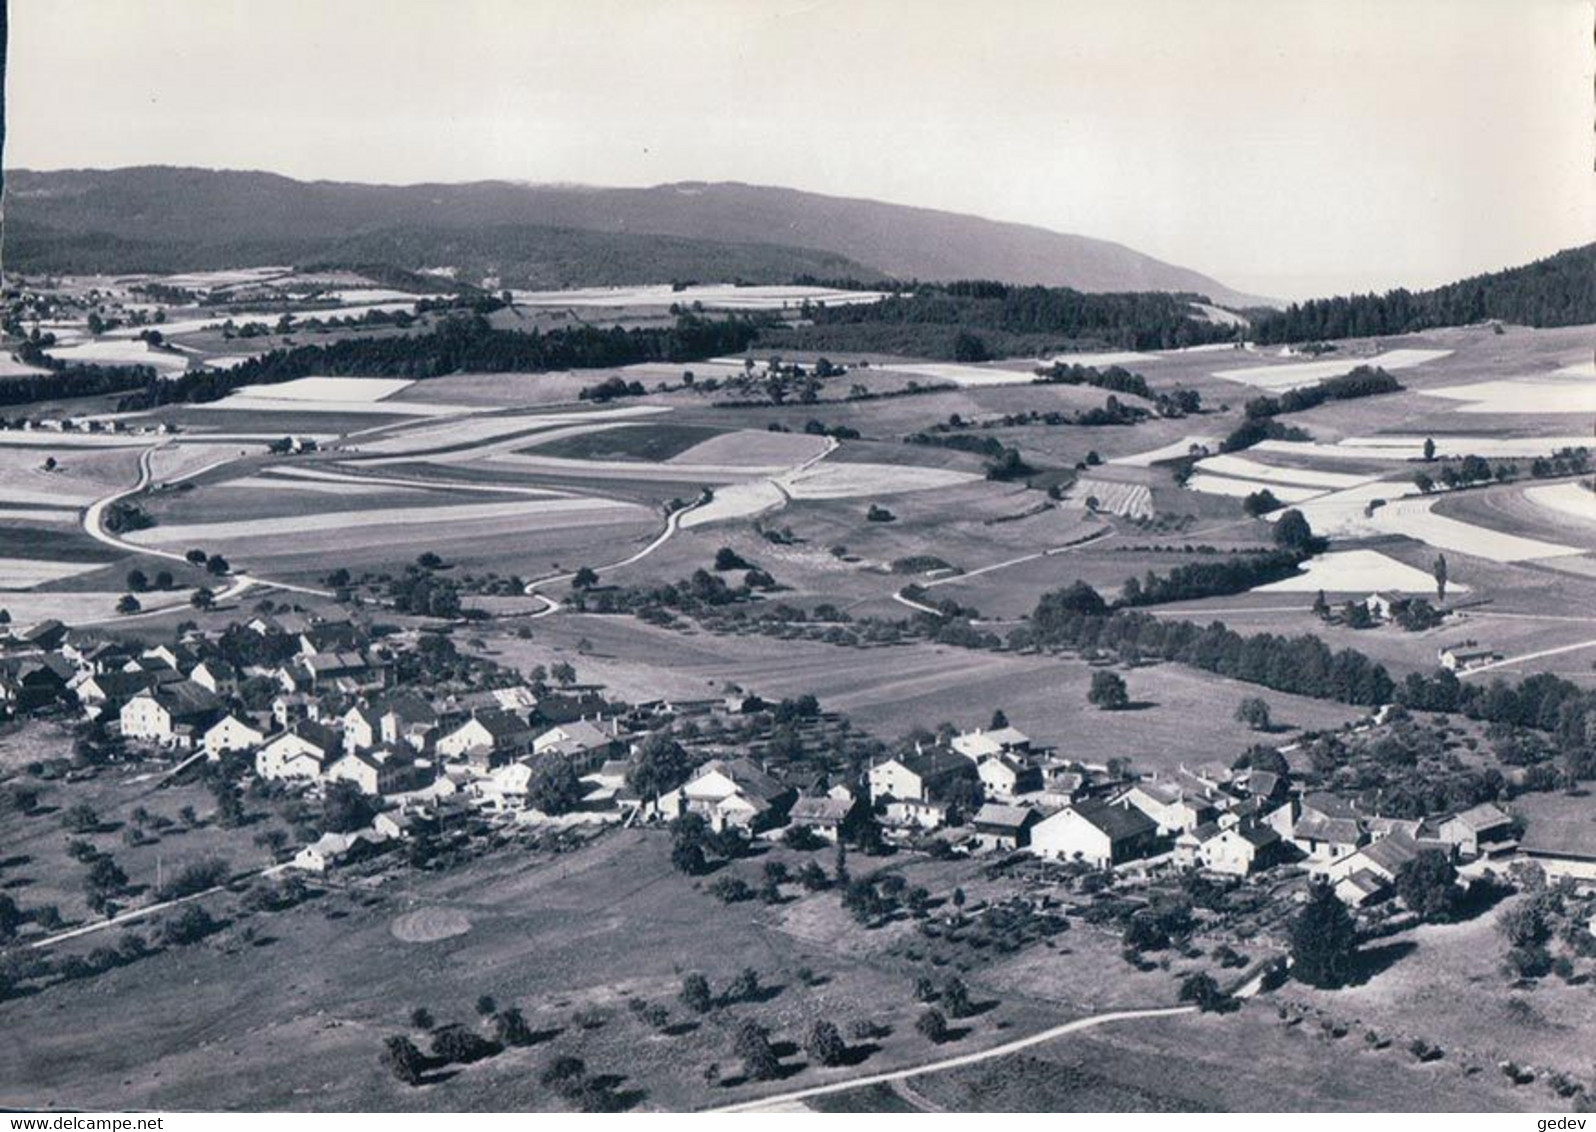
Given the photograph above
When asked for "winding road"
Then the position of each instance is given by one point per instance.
(958, 1062)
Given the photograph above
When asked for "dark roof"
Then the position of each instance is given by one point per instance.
(185, 699)
(937, 762)
(1120, 823)
(1316, 827)
(501, 724)
(1553, 838)
(1005, 817)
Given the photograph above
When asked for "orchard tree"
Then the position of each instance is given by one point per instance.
(1439, 570)
(1292, 532)
(824, 1043)
(1254, 712)
(1108, 691)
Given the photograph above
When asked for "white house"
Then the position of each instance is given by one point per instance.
(730, 792)
(1095, 833)
(300, 754)
(1172, 808)
(232, 734)
(158, 713)
(217, 676)
(981, 744)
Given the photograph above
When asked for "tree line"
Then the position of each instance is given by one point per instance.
(1557, 291)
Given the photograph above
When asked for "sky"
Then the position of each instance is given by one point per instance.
(1286, 147)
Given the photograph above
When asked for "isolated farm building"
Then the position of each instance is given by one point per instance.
(489, 738)
(731, 793)
(1235, 850)
(924, 776)
(825, 815)
(1004, 827)
(379, 771)
(1327, 828)
(1172, 808)
(1004, 776)
(163, 713)
(1483, 830)
(1095, 832)
(1461, 658)
(217, 675)
(300, 754)
(331, 849)
(1381, 605)
(231, 733)
(981, 744)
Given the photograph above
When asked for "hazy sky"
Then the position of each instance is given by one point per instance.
(1287, 148)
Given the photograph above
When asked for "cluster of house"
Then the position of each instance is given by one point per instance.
(1212, 817)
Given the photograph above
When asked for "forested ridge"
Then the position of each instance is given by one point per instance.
(1559, 290)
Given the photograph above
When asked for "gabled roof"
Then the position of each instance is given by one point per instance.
(1391, 853)
(582, 733)
(500, 724)
(1483, 817)
(822, 809)
(184, 698)
(749, 778)
(1330, 805)
(1005, 817)
(409, 708)
(1338, 831)
(1120, 823)
(936, 762)
(323, 738)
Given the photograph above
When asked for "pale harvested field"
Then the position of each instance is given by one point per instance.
(556, 512)
(1291, 375)
(1240, 488)
(10, 367)
(1565, 499)
(1411, 447)
(1523, 395)
(174, 463)
(341, 389)
(266, 404)
(1243, 468)
(737, 501)
(848, 481)
(1110, 358)
(1175, 450)
(1359, 572)
(966, 376)
(25, 573)
(81, 475)
(119, 352)
(1415, 517)
(753, 448)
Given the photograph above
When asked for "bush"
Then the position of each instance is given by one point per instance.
(932, 1026)
(824, 1043)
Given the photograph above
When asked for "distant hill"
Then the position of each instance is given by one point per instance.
(1559, 290)
(166, 218)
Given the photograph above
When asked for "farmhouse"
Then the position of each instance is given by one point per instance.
(978, 744)
(1004, 827)
(922, 777)
(378, 771)
(827, 816)
(409, 718)
(731, 793)
(1173, 809)
(586, 744)
(300, 754)
(30, 683)
(164, 713)
(216, 675)
(491, 737)
(330, 849)
(231, 733)
(362, 726)
(1235, 850)
(1096, 833)
(1005, 777)
(1461, 658)
(1481, 831)
(1562, 848)
(1327, 828)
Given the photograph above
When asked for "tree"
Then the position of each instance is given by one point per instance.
(427, 560)
(510, 1028)
(752, 1045)
(345, 808)
(554, 787)
(695, 994)
(1321, 606)
(688, 837)
(1200, 988)
(1108, 691)
(216, 565)
(933, 1026)
(956, 997)
(163, 579)
(728, 559)
(563, 673)
(1423, 482)
(999, 720)
(203, 598)
(486, 1005)
(824, 1043)
(744, 986)
(137, 581)
(1291, 532)
(585, 578)
(1439, 570)
(196, 556)
(659, 765)
(128, 604)
(1254, 712)
(1428, 885)
(1429, 449)
(403, 1059)
(1260, 503)
(421, 1018)
(1324, 940)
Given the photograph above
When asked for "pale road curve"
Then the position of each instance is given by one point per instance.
(957, 1062)
(94, 527)
(673, 523)
(1529, 656)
